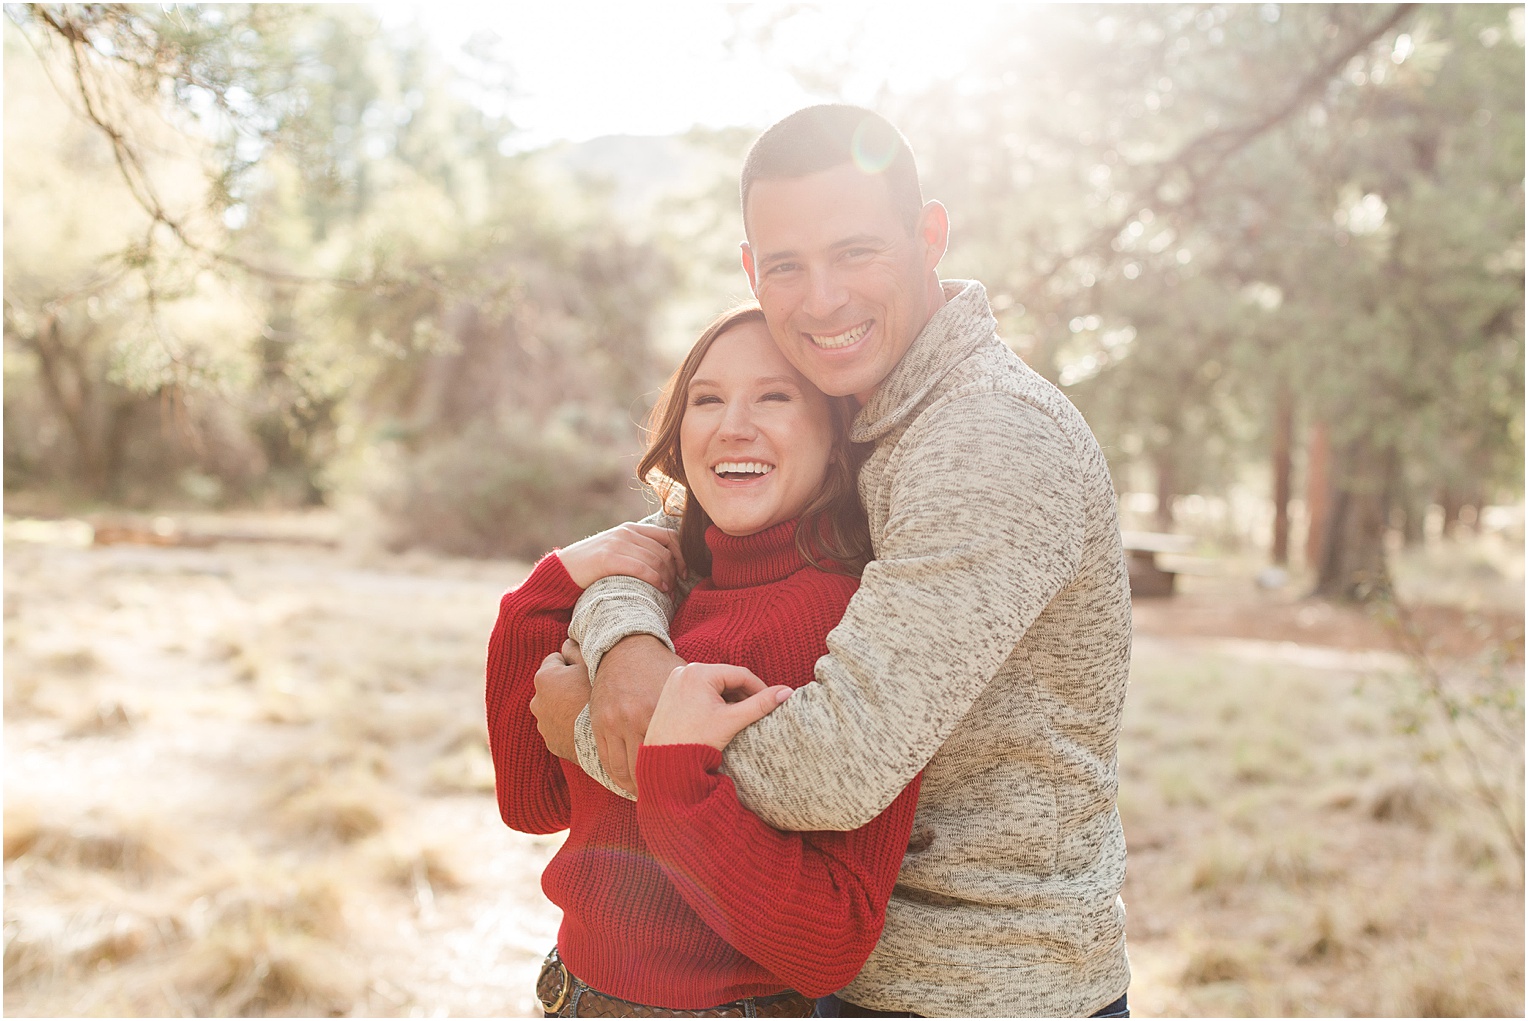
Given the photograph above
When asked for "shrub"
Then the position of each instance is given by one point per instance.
(513, 490)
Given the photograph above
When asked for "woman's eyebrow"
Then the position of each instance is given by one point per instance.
(764, 380)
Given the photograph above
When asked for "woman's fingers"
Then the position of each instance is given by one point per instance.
(705, 703)
(667, 537)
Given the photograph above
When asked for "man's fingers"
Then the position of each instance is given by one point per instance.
(631, 768)
(609, 756)
(622, 766)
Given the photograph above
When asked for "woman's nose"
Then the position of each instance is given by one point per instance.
(737, 421)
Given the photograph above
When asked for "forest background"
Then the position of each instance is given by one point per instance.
(279, 256)
(294, 257)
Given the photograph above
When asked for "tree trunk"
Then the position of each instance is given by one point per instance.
(1451, 502)
(1353, 566)
(1283, 440)
(1166, 489)
(1318, 492)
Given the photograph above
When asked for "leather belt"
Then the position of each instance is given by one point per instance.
(563, 995)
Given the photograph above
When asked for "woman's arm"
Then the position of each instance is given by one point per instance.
(532, 624)
(807, 906)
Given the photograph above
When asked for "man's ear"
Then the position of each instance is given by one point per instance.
(753, 281)
(933, 232)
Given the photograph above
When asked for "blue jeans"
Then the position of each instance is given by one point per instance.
(832, 1006)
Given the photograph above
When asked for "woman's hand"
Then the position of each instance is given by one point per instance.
(710, 703)
(646, 552)
(562, 691)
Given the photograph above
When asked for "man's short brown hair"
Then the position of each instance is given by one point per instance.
(820, 138)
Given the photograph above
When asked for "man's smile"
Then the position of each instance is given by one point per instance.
(843, 339)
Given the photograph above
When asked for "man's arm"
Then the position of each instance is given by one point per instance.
(610, 612)
(985, 528)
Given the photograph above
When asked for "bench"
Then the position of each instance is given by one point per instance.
(1148, 575)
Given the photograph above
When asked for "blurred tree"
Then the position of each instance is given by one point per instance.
(410, 290)
(1209, 222)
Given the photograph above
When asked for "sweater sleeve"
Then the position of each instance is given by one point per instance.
(533, 622)
(985, 527)
(611, 609)
(807, 906)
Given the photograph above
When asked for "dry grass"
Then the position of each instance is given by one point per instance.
(260, 786)
(1295, 851)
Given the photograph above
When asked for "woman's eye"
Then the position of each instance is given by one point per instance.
(776, 397)
(700, 399)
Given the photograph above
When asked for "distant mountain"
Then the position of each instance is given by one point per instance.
(640, 170)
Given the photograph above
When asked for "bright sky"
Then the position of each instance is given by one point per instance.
(584, 68)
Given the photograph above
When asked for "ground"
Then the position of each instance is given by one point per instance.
(250, 778)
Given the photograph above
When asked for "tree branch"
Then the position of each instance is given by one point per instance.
(1217, 146)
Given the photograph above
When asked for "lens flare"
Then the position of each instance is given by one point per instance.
(873, 147)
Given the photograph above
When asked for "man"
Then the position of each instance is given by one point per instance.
(989, 642)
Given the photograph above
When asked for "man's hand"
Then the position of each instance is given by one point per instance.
(631, 678)
(709, 703)
(562, 691)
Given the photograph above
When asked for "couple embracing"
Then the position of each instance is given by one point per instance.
(865, 765)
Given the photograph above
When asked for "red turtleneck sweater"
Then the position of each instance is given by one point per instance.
(685, 899)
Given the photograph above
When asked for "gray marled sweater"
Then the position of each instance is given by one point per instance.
(989, 644)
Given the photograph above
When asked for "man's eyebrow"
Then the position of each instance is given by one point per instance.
(874, 240)
(859, 239)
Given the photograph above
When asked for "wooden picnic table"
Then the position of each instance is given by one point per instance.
(1148, 575)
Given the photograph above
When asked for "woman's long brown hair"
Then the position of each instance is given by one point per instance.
(833, 525)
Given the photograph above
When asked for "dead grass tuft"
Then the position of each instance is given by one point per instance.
(1409, 801)
(105, 717)
(1451, 990)
(421, 870)
(74, 663)
(1326, 939)
(1223, 866)
(466, 768)
(1208, 965)
(267, 946)
(138, 850)
(344, 809)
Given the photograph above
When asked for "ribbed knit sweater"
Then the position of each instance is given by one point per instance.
(989, 642)
(685, 899)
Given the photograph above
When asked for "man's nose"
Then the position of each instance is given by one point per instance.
(825, 294)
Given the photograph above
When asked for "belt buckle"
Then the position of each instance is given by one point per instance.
(553, 968)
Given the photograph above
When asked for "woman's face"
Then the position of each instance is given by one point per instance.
(756, 436)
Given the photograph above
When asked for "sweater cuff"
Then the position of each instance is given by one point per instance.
(676, 774)
(550, 583)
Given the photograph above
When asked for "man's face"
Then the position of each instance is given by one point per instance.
(844, 285)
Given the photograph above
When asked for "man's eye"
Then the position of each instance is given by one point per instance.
(858, 253)
(781, 267)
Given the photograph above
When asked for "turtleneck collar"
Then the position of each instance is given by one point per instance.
(961, 323)
(741, 561)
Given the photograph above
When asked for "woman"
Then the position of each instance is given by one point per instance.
(684, 902)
